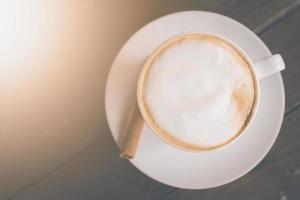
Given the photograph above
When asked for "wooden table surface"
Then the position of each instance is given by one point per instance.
(54, 140)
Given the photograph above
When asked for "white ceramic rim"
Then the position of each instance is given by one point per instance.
(277, 126)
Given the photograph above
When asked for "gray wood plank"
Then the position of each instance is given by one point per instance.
(173, 194)
(66, 111)
(96, 173)
(284, 37)
(254, 14)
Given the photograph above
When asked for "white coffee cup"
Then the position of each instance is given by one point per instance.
(261, 69)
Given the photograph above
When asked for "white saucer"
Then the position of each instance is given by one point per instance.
(165, 163)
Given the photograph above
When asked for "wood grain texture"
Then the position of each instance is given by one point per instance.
(95, 173)
(284, 37)
(75, 156)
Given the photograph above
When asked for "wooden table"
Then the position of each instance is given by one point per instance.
(54, 139)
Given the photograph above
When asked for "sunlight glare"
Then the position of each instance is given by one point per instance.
(20, 29)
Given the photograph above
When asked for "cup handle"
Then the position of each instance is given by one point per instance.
(269, 66)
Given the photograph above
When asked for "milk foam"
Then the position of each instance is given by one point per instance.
(199, 91)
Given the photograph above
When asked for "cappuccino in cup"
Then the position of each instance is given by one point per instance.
(197, 91)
